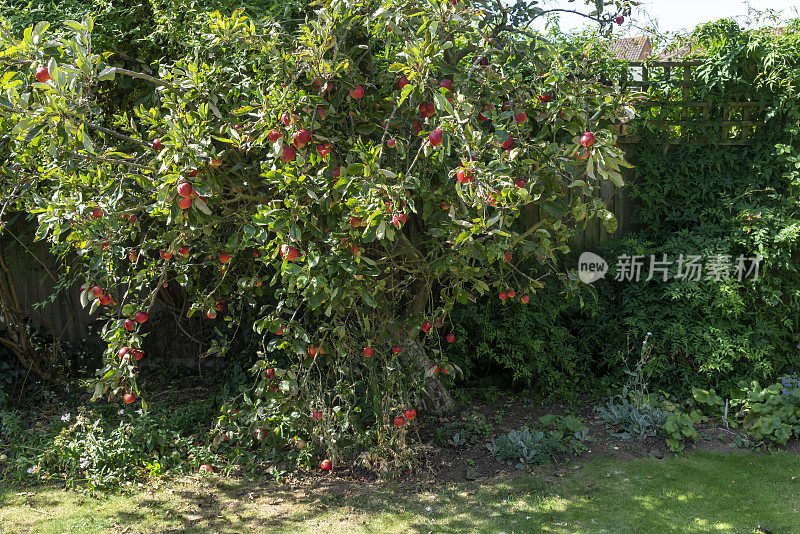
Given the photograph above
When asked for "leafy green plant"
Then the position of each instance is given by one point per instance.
(466, 432)
(632, 422)
(679, 427)
(771, 413)
(524, 447)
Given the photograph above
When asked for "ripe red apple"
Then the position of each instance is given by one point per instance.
(317, 415)
(97, 213)
(508, 142)
(403, 82)
(337, 172)
(259, 434)
(521, 117)
(411, 414)
(104, 299)
(391, 143)
(447, 84)
(140, 317)
(399, 219)
(185, 189)
(426, 327)
(274, 135)
(184, 250)
(288, 154)
(128, 325)
(288, 253)
(185, 203)
(427, 110)
(220, 306)
(137, 353)
(520, 182)
(301, 138)
(445, 206)
(619, 19)
(451, 337)
(587, 139)
(123, 351)
(325, 465)
(211, 314)
(157, 144)
(97, 291)
(165, 254)
(270, 373)
(286, 119)
(396, 349)
(357, 92)
(399, 421)
(508, 256)
(224, 257)
(481, 116)
(525, 299)
(128, 398)
(503, 295)
(546, 97)
(368, 352)
(464, 176)
(512, 293)
(435, 137)
(42, 74)
(206, 468)
(324, 149)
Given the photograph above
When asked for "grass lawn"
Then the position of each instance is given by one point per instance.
(699, 492)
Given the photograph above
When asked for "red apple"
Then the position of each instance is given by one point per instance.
(481, 116)
(391, 143)
(325, 465)
(403, 82)
(355, 221)
(288, 253)
(508, 142)
(157, 144)
(399, 219)
(508, 256)
(104, 299)
(427, 110)
(368, 352)
(464, 176)
(435, 137)
(546, 97)
(137, 353)
(337, 172)
(259, 434)
(123, 351)
(317, 415)
(426, 327)
(525, 299)
(140, 317)
(165, 254)
(128, 325)
(270, 373)
(211, 314)
(128, 398)
(521, 117)
(185, 203)
(224, 257)
(396, 349)
(619, 19)
(587, 139)
(411, 414)
(42, 74)
(184, 250)
(447, 84)
(503, 295)
(97, 291)
(193, 173)
(451, 337)
(288, 154)
(97, 213)
(519, 182)
(399, 421)
(512, 293)
(301, 138)
(274, 135)
(324, 149)
(185, 189)
(286, 119)
(357, 92)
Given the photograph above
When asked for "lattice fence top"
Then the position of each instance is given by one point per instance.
(673, 102)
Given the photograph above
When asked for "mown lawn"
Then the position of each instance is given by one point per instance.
(700, 492)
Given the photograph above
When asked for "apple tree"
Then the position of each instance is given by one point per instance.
(347, 184)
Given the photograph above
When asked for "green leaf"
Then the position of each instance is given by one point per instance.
(107, 73)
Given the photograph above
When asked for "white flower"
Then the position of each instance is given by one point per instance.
(121, 412)
(65, 417)
(139, 411)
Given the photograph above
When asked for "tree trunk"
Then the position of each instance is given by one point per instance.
(436, 399)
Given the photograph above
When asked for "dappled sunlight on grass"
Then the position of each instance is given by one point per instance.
(703, 492)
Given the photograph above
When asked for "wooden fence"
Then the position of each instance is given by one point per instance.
(670, 88)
